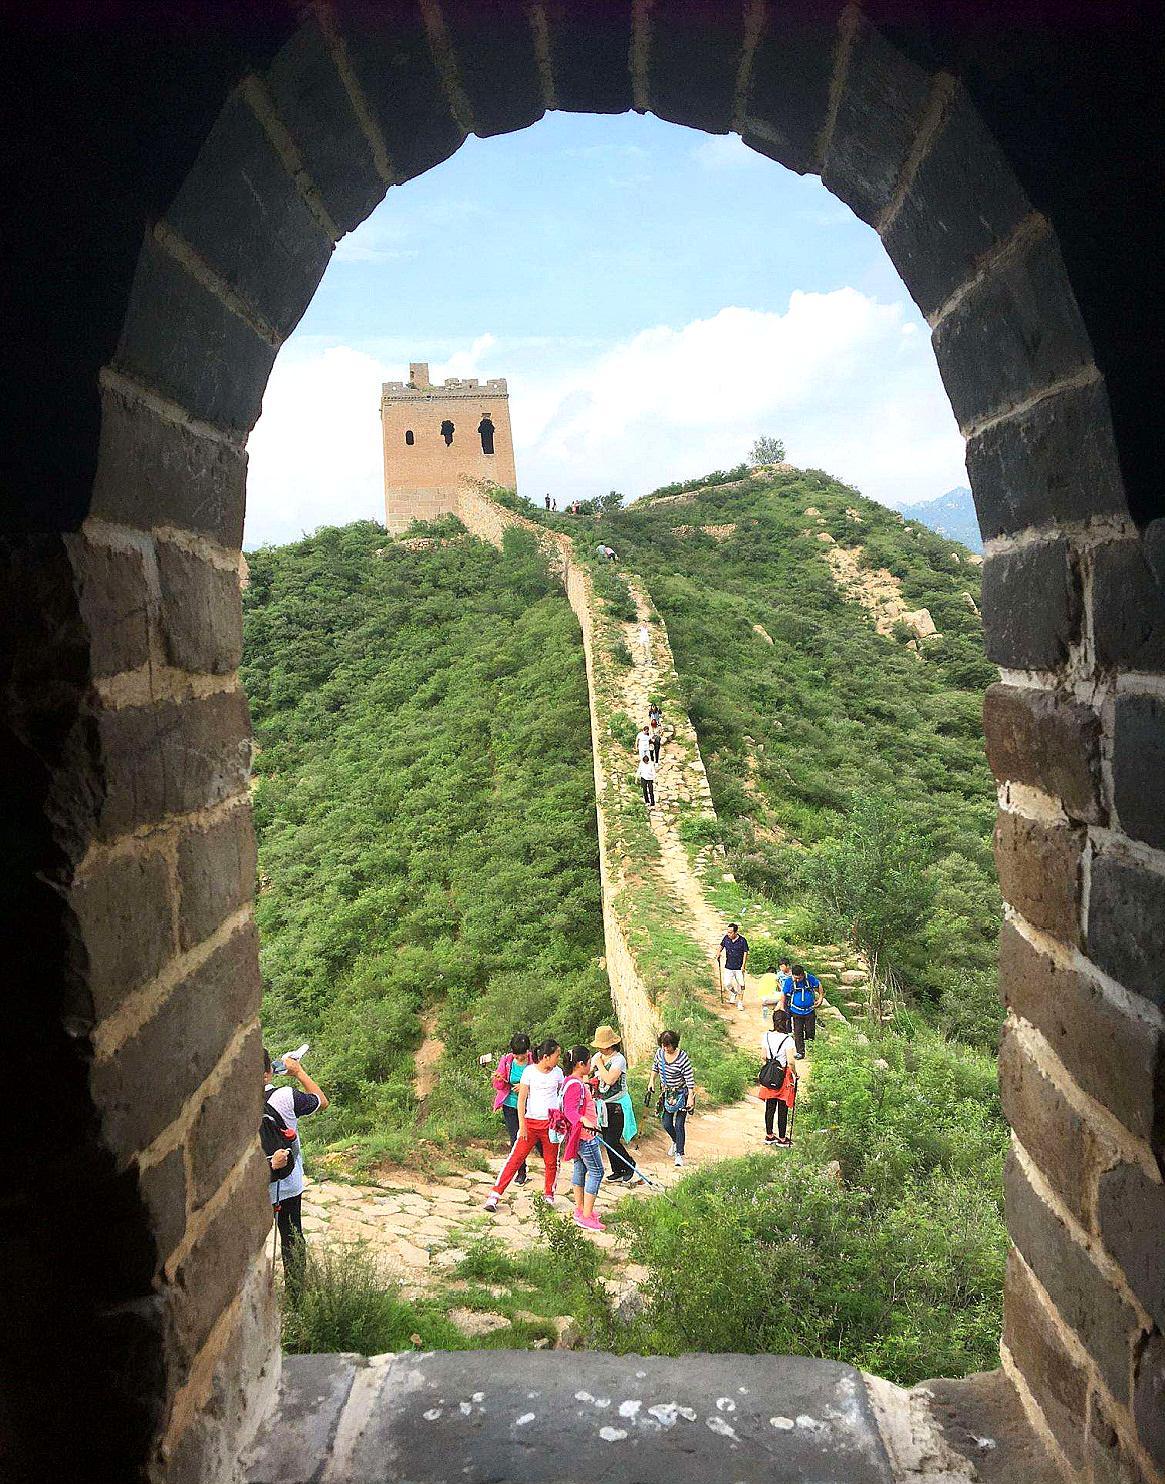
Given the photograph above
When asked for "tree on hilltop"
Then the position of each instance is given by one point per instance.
(768, 450)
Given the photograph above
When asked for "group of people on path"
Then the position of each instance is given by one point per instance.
(576, 1103)
(648, 744)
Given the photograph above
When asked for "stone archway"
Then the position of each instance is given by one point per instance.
(127, 736)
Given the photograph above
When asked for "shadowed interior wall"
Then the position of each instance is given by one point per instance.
(179, 190)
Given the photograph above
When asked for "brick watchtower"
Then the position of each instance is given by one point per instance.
(436, 437)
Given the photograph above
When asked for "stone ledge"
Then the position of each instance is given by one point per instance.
(525, 1417)
(582, 1416)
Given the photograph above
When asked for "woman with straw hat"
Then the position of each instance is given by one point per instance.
(609, 1068)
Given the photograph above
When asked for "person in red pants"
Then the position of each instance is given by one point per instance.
(539, 1091)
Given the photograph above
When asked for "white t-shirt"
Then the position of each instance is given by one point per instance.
(643, 742)
(778, 1044)
(646, 769)
(544, 1091)
(292, 1104)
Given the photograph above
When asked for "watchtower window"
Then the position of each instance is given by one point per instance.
(486, 429)
(447, 432)
(409, 439)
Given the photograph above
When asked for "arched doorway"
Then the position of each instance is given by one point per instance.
(132, 951)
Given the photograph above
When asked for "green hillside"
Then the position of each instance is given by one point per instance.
(425, 812)
(832, 735)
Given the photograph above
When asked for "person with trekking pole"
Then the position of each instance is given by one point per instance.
(733, 952)
(539, 1093)
(283, 1107)
(616, 1111)
(582, 1143)
(677, 1086)
(777, 1080)
(803, 998)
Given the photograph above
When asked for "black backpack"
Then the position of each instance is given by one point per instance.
(772, 1073)
(274, 1134)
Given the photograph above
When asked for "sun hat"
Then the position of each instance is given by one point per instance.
(605, 1037)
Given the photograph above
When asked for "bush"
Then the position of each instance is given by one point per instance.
(897, 1268)
(347, 1303)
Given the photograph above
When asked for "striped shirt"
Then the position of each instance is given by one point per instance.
(677, 1073)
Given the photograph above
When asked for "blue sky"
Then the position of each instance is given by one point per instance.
(657, 298)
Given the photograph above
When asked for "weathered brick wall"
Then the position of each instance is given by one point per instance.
(424, 480)
(205, 202)
(630, 994)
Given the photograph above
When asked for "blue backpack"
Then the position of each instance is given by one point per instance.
(803, 995)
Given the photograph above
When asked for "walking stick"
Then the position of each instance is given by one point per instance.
(720, 978)
(792, 1115)
(647, 1180)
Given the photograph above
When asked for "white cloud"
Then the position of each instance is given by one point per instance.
(724, 152)
(315, 454)
(838, 375)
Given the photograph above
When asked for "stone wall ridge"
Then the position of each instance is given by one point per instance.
(1121, 1144)
(1089, 1242)
(1074, 960)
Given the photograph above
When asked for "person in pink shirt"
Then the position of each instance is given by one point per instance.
(582, 1142)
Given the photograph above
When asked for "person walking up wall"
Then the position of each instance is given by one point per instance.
(802, 1000)
(538, 1092)
(655, 733)
(646, 774)
(582, 1143)
(283, 1107)
(778, 1048)
(506, 1080)
(733, 952)
(609, 1067)
(677, 1085)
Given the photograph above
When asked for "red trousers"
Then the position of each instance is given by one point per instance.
(537, 1133)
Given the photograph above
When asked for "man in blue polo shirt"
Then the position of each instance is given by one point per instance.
(733, 953)
(803, 996)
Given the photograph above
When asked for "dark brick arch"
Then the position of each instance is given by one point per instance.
(200, 176)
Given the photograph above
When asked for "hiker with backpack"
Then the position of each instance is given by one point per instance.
(582, 1144)
(283, 1107)
(617, 1112)
(677, 1088)
(777, 1079)
(803, 997)
(506, 1077)
(539, 1095)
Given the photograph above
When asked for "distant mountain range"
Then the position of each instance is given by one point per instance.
(952, 514)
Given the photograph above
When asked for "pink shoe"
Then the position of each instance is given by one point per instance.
(592, 1223)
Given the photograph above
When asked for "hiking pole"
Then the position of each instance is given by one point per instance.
(647, 1180)
(720, 979)
(792, 1115)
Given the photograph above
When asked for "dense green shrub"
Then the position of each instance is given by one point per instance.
(895, 1266)
(424, 801)
(798, 733)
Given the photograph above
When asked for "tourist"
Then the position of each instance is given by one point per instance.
(803, 999)
(645, 642)
(777, 1045)
(646, 775)
(609, 1067)
(548, 502)
(283, 1107)
(677, 1084)
(655, 734)
(733, 952)
(643, 740)
(780, 1000)
(582, 1143)
(505, 1083)
(538, 1093)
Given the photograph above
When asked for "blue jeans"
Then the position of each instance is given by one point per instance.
(588, 1166)
(675, 1125)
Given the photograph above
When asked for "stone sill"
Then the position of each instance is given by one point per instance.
(520, 1415)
